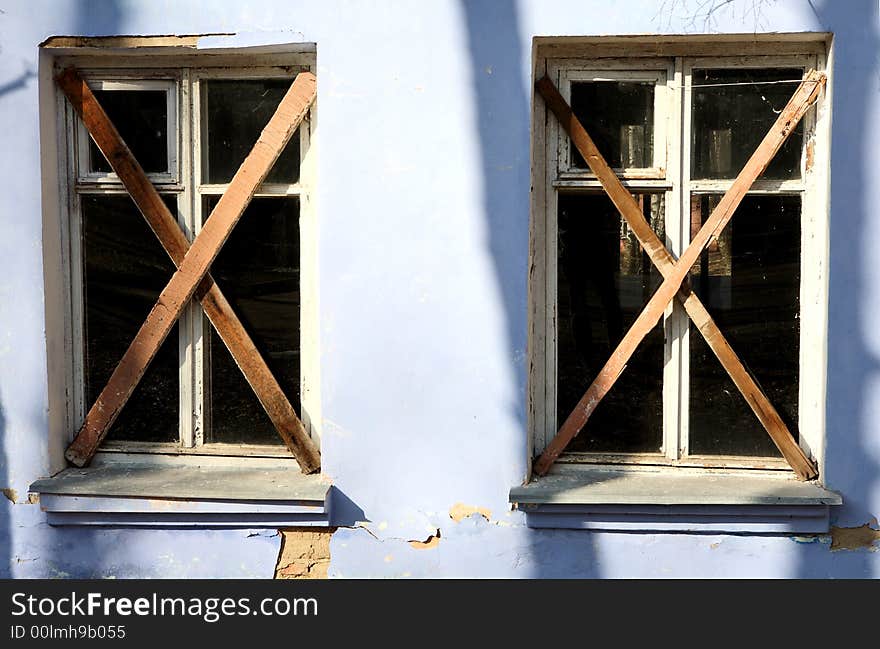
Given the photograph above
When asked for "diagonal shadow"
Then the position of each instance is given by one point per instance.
(502, 104)
(853, 367)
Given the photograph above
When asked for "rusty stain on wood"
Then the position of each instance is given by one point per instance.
(191, 278)
(675, 274)
(811, 155)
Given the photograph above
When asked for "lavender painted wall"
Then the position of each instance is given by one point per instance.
(423, 200)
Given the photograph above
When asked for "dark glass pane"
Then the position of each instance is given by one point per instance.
(604, 280)
(729, 121)
(750, 282)
(141, 117)
(235, 112)
(125, 270)
(258, 270)
(619, 116)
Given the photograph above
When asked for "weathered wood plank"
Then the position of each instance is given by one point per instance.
(797, 106)
(191, 278)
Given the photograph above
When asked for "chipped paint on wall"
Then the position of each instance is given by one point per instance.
(429, 543)
(863, 537)
(459, 511)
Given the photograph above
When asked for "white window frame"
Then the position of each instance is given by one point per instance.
(180, 76)
(132, 81)
(566, 72)
(550, 155)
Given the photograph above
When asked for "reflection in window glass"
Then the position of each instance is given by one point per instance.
(125, 270)
(733, 109)
(619, 116)
(141, 117)
(604, 279)
(749, 281)
(235, 112)
(258, 270)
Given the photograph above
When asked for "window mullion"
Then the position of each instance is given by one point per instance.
(684, 328)
(674, 320)
(190, 320)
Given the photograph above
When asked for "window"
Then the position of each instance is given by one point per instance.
(677, 129)
(190, 121)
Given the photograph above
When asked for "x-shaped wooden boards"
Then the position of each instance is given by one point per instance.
(192, 262)
(675, 274)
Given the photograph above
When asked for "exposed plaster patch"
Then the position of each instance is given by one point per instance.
(33, 499)
(10, 493)
(305, 553)
(855, 538)
(460, 511)
(429, 543)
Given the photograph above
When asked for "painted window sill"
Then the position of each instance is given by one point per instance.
(603, 498)
(129, 494)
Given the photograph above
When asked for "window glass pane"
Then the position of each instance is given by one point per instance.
(730, 120)
(141, 117)
(750, 282)
(234, 113)
(619, 116)
(125, 269)
(258, 270)
(604, 280)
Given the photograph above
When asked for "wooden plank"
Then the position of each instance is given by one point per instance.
(803, 98)
(663, 260)
(191, 278)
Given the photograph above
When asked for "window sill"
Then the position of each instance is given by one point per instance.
(131, 494)
(602, 498)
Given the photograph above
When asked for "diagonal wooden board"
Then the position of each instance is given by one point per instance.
(215, 304)
(676, 273)
(191, 277)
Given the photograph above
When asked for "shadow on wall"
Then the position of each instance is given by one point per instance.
(853, 368)
(502, 110)
(503, 118)
(5, 508)
(42, 551)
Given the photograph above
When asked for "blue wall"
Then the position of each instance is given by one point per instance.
(423, 200)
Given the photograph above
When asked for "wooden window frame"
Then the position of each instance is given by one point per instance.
(180, 73)
(550, 146)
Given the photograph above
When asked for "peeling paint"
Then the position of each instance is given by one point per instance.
(855, 538)
(460, 511)
(10, 494)
(304, 553)
(812, 538)
(429, 543)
